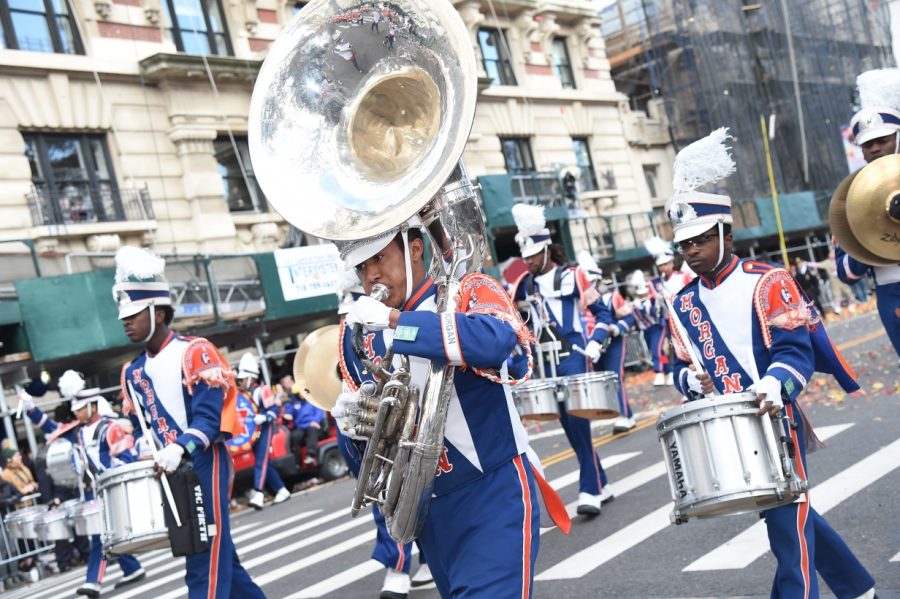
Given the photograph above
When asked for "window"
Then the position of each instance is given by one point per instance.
(198, 26)
(495, 57)
(650, 176)
(585, 164)
(561, 63)
(39, 26)
(299, 5)
(517, 155)
(73, 179)
(241, 190)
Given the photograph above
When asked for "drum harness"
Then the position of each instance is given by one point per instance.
(556, 347)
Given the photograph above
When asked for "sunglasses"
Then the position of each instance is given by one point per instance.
(698, 241)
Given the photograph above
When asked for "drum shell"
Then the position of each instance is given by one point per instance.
(21, 522)
(87, 518)
(537, 399)
(133, 517)
(55, 524)
(593, 395)
(719, 461)
(59, 463)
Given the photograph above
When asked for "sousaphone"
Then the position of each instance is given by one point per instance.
(865, 212)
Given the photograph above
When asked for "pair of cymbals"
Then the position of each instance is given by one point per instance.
(315, 367)
(865, 212)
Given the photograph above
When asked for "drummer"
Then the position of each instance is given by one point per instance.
(105, 445)
(551, 296)
(751, 329)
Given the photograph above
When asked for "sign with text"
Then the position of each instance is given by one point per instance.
(309, 271)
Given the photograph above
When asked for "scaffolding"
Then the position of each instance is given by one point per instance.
(728, 63)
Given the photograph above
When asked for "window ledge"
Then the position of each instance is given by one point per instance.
(83, 230)
(252, 218)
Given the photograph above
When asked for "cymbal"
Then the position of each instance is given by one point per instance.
(873, 207)
(315, 367)
(840, 227)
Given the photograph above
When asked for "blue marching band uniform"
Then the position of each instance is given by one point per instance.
(97, 438)
(752, 329)
(488, 550)
(650, 317)
(619, 322)
(265, 406)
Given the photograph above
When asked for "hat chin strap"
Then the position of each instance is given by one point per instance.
(546, 252)
(408, 263)
(152, 324)
(721, 245)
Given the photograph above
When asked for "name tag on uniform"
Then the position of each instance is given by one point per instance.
(405, 333)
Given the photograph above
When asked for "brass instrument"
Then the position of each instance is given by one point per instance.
(864, 213)
(315, 367)
(350, 138)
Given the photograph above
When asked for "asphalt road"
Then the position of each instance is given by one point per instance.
(310, 547)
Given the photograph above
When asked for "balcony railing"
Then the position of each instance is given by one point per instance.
(82, 203)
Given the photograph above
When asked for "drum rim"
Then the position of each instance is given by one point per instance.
(601, 375)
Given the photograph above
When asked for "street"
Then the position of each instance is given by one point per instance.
(310, 547)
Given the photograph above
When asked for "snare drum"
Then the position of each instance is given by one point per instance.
(593, 395)
(133, 518)
(724, 459)
(60, 463)
(87, 518)
(537, 399)
(55, 524)
(21, 522)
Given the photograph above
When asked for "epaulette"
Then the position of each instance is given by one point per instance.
(203, 361)
(779, 303)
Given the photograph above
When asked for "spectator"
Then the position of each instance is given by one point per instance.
(808, 277)
(840, 293)
(17, 473)
(304, 420)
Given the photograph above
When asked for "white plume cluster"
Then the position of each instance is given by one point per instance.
(705, 161)
(137, 263)
(71, 383)
(530, 220)
(586, 261)
(879, 88)
(638, 280)
(657, 247)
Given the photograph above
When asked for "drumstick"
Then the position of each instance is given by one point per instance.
(19, 407)
(687, 342)
(164, 479)
(581, 351)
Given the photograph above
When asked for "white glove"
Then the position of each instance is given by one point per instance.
(145, 446)
(593, 351)
(771, 388)
(169, 457)
(260, 419)
(346, 414)
(693, 382)
(288, 417)
(370, 313)
(25, 401)
(614, 330)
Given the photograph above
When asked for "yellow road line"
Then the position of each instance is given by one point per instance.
(568, 453)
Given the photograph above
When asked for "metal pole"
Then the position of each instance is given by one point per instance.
(765, 134)
(29, 430)
(267, 377)
(7, 420)
(793, 62)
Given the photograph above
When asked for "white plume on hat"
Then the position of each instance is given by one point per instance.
(703, 162)
(530, 220)
(879, 88)
(71, 383)
(137, 263)
(586, 261)
(659, 249)
(639, 282)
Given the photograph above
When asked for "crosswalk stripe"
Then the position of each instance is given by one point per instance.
(896, 558)
(753, 543)
(608, 462)
(599, 553)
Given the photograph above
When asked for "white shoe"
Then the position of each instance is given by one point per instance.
(588, 505)
(422, 577)
(90, 589)
(396, 584)
(623, 424)
(282, 495)
(136, 576)
(606, 494)
(659, 379)
(670, 379)
(256, 499)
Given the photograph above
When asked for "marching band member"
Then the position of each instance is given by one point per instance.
(670, 280)
(395, 557)
(266, 413)
(649, 315)
(187, 391)
(489, 550)
(876, 129)
(553, 297)
(106, 445)
(753, 330)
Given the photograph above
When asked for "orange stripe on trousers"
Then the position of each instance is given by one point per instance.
(217, 518)
(526, 528)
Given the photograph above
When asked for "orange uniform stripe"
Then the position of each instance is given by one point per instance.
(802, 508)
(217, 518)
(526, 528)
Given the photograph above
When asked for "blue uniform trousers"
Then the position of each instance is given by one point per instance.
(482, 539)
(217, 573)
(887, 298)
(264, 473)
(578, 431)
(96, 563)
(804, 543)
(613, 359)
(656, 342)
